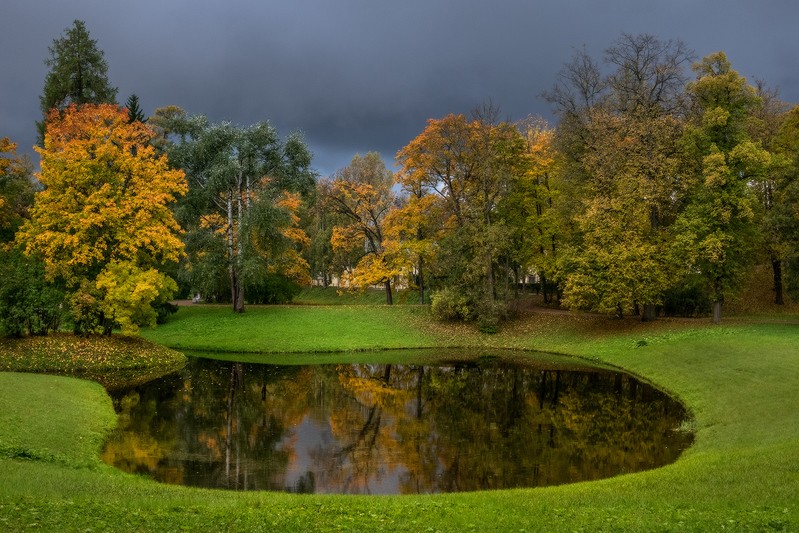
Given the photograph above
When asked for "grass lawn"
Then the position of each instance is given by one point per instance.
(740, 380)
(319, 328)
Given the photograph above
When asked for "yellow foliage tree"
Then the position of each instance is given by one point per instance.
(361, 195)
(105, 203)
(130, 291)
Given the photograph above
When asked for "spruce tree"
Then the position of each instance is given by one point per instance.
(78, 74)
(135, 113)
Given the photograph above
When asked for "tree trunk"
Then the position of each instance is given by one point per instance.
(236, 290)
(776, 265)
(649, 313)
(419, 393)
(238, 304)
(421, 282)
(717, 311)
(389, 299)
(492, 293)
(542, 286)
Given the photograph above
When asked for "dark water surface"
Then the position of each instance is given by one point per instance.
(392, 429)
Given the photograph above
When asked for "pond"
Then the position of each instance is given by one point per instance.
(459, 425)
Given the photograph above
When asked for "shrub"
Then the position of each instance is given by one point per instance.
(687, 299)
(448, 304)
(272, 289)
(163, 310)
(28, 304)
(490, 315)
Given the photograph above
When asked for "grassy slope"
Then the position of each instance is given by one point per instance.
(294, 328)
(115, 361)
(741, 382)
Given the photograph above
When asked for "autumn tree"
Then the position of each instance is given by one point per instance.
(782, 220)
(717, 229)
(412, 227)
(621, 149)
(78, 74)
(620, 259)
(361, 195)
(537, 232)
(16, 190)
(469, 167)
(103, 224)
(241, 209)
(773, 214)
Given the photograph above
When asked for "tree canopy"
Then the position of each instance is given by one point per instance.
(102, 223)
(654, 192)
(241, 210)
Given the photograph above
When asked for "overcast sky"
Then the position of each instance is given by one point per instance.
(365, 75)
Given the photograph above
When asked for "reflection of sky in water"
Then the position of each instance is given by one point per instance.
(309, 436)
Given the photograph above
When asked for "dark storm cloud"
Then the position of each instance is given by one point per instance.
(363, 75)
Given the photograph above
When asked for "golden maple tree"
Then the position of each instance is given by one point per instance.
(104, 212)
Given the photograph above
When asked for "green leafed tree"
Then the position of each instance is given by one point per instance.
(717, 230)
(29, 305)
(241, 211)
(78, 74)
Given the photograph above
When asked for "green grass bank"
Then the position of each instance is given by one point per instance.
(740, 380)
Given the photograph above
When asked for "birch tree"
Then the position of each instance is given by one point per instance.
(240, 210)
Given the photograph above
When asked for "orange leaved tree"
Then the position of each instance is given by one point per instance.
(103, 224)
(361, 194)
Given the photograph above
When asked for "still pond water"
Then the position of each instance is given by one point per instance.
(392, 429)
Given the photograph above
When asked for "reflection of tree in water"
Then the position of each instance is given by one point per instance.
(392, 428)
(363, 450)
(518, 427)
(223, 433)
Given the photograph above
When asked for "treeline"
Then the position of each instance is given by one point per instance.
(656, 192)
